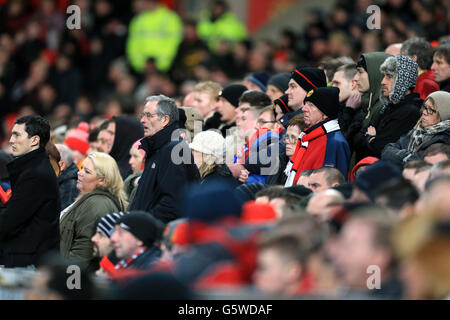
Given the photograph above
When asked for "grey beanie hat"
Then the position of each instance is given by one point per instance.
(405, 73)
(441, 100)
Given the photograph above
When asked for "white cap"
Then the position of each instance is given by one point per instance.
(209, 142)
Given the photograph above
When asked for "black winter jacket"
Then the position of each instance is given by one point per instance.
(29, 222)
(68, 190)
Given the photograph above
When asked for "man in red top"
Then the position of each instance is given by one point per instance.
(421, 52)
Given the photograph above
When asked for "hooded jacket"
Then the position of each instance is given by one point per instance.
(128, 130)
(68, 190)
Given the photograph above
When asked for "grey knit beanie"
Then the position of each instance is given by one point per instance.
(441, 100)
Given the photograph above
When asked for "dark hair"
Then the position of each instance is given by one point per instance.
(36, 126)
(279, 192)
(332, 175)
(257, 99)
(444, 51)
(420, 48)
(105, 125)
(398, 192)
(415, 164)
(299, 121)
(93, 134)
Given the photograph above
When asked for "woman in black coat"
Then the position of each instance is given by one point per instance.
(432, 127)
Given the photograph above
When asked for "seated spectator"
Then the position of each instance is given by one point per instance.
(433, 127)
(325, 178)
(322, 144)
(67, 180)
(303, 180)
(325, 204)
(410, 168)
(441, 66)
(204, 102)
(134, 240)
(257, 81)
(436, 153)
(440, 169)
(281, 109)
(365, 240)
(101, 192)
(421, 176)
(361, 166)
(278, 197)
(208, 151)
(277, 85)
(398, 196)
(77, 141)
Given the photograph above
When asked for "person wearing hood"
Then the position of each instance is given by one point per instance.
(433, 127)
(368, 79)
(127, 131)
(401, 108)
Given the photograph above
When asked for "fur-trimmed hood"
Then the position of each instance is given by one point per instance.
(405, 73)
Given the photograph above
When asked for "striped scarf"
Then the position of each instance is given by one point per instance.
(302, 145)
(123, 264)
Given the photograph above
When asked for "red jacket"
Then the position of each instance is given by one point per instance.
(426, 84)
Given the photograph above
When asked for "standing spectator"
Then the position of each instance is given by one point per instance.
(422, 53)
(325, 178)
(155, 32)
(322, 144)
(162, 178)
(227, 103)
(401, 110)
(29, 220)
(101, 192)
(207, 93)
(137, 157)
(67, 180)
(77, 141)
(441, 66)
(277, 85)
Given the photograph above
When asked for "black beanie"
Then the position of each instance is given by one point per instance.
(280, 81)
(232, 93)
(143, 226)
(309, 78)
(362, 63)
(283, 103)
(326, 100)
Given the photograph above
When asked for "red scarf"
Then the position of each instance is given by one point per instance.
(302, 145)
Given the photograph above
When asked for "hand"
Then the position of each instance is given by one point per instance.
(354, 101)
(371, 131)
(235, 169)
(243, 176)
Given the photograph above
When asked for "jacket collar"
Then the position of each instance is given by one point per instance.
(159, 139)
(21, 161)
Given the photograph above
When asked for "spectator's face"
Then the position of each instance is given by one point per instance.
(246, 120)
(440, 68)
(151, 121)
(267, 120)
(387, 85)
(105, 138)
(312, 114)
(323, 206)
(198, 157)
(202, 103)
(20, 142)
(279, 114)
(227, 110)
(125, 243)
(101, 244)
(273, 275)
(430, 116)
(317, 182)
(345, 86)
(420, 178)
(355, 253)
(303, 181)
(136, 159)
(296, 95)
(273, 92)
(362, 80)
(87, 177)
(409, 173)
(291, 139)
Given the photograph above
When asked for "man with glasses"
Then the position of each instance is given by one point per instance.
(166, 170)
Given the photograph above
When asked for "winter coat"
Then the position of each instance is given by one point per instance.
(162, 178)
(128, 130)
(394, 121)
(445, 85)
(220, 172)
(129, 187)
(29, 221)
(426, 84)
(398, 151)
(68, 190)
(78, 225)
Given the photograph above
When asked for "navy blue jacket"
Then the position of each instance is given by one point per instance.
(68, 190)
(162, 178)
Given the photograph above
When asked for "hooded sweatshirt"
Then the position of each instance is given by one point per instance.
(128, 130)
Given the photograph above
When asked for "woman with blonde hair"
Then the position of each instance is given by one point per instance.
(101, 192)
(208, 150)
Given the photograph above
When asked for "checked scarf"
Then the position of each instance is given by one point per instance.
(302, 145)
(421, 134)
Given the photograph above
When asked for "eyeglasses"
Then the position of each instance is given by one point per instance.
(429, 111)
(148, 115)
(290, 138)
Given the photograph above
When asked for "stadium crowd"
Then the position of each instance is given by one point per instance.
(182, 160)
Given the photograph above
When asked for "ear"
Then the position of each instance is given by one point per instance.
(414, 57)
(62, 165)
(35, 140)
(101, 181)
(166, 120)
